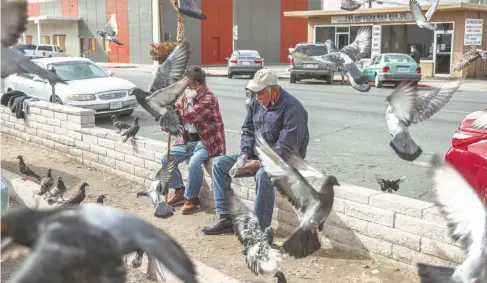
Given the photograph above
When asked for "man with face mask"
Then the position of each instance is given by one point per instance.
(199, 111)
(283, 122)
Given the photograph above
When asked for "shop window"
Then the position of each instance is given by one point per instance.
(325, 33)
(92, 44)
(59, 40)
(399, 38)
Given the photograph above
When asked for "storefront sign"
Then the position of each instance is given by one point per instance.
(376, 40)
(473, 32)
(390, 17)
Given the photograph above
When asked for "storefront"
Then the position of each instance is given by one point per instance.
(460, 25)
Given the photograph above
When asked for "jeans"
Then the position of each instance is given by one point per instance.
(265, 196)
(197, 155)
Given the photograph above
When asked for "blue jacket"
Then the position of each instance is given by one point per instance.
(284, 126)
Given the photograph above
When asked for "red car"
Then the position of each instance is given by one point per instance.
(468, 153)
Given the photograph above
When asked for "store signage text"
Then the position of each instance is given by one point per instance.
(473, 32)
(376, 40)
(390, 17)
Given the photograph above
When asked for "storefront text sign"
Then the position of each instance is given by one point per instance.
(473, 32)
(376, 40)
(374, 18)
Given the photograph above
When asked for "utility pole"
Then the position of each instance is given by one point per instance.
(235, 27)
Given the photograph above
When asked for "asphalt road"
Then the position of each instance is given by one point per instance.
(349, 137)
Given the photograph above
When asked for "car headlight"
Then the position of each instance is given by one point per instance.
(81, 97)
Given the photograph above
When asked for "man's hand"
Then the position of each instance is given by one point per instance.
(252, 166)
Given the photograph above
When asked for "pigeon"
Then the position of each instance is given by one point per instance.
(25, 170)
(468, 58)
(78, 197)
(259, 255)
(346, 58)
(161, 186)
(406, 108)
(280, 277)
(25, 226)
(46, 183)
(389, 185)
(480, 122)
(132, 131)
(111, 30)
(466, 218)
(166, 88)
(351, 5)
(119, 124)
(69, 250)
(312, 205)
(423, 20)
(56, 192)
(190, 9)
(241, 161)
(14, 21)
(100, 199)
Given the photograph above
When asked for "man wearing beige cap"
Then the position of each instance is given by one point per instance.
(283, 122)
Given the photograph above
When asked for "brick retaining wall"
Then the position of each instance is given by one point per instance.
(366, 221)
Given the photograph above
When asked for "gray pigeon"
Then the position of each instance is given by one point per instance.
(119, 124)
(280, 277)
(259, 255)
(480, 122)
(166, 88)
(46, 183)
(406, 108)
(110, 31)
(132, 131)
(313, 205)
(25, 170)
(56, 192)
(423, 20)
(78, 197)
(25, 226)
(389, 185)
(14, 21)
(468, 58)
(100, 199)
(190, 9)
(466, 218)
(351, 5)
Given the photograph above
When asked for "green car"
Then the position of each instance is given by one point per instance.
(392, 68)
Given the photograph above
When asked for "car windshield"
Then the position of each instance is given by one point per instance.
(247, 53)
(73, 71)
(311, 50)
(398, 58)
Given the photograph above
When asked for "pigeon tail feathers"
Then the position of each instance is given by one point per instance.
(435, 274)
(163, 210)
(302, 243)
(405, 147)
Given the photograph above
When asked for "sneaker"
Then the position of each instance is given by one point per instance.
(224, 225)
(177, 198)
(190, 206)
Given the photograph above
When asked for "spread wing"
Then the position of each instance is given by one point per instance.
(431, 11)
(168, 95)
(361, 44)
(111, 27)
(350, 5)
(287, 179)
(246, 224)
(173, 68)
(416, 10)
(480, 122)
(403, 101)
(460, 205)
(433, 101)
(467, 59)
(14, 21)
(166, 172)
(330, 58)
(330, 46)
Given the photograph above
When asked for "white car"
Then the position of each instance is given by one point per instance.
(88, 86)
(45, 50)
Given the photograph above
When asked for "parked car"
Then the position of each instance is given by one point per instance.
(4, 196)
(45, 50)
(392, 68)
(23, 47)
(310, 69)
(244, 62)
(88, 86)
(468, 153)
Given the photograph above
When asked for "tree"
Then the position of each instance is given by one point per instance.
(180, 29)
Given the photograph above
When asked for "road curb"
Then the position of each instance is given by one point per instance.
(118, 67)
(25, 193)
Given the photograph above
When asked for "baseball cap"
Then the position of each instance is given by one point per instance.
(262, 78)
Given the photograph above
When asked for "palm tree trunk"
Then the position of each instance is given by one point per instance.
(180, 29)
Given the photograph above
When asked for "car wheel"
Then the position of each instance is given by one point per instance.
(378, 83)
(292, 79)
(229, 75)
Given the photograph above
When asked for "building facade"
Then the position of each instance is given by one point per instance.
(461, 25)
(243, 24)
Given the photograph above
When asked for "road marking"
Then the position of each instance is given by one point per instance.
(232, 131)
(328, 99)
(421, 164)
(453, 111)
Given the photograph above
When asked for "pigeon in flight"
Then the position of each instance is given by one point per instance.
(46, 183)
(389, 185)
(423, 20)
(346, 58)
(56, 192)
(110, 31)
(466, 218)
(14, 21)
(190, 9)
(26, 226)
(469, 57)
(25, 170)
(78, 197)
(406, 108)
(166, 88)
(132, 131)
(480, 122)
(119, 124)
(313, 205)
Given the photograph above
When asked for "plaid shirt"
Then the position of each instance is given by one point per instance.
(206, 116)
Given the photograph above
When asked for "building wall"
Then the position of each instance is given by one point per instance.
(67, 28)
(94, 16)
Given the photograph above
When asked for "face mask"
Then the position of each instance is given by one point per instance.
(190, 93)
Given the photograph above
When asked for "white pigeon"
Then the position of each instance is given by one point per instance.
(405, 107)
(472, 55)
(423, 20)
(110, 31)
(466, 218)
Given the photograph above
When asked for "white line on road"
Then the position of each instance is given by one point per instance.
(232, 131)
(421, 164)
(327, 99)
(453, 111)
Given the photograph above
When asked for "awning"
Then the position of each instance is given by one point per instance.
(53, 19)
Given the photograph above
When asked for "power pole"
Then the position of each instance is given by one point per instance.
(235, 27)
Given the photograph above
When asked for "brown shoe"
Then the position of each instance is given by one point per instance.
(177, 198)
(190, 206)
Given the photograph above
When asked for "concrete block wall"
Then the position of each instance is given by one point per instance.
(363, 220)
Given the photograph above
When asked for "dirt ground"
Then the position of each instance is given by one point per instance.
(221, 252)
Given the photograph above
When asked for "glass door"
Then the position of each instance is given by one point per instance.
(342, 40)
(443, 51)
